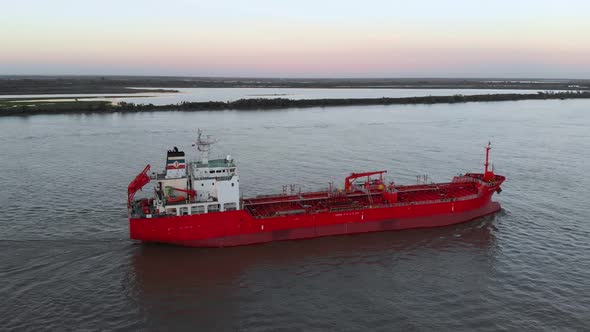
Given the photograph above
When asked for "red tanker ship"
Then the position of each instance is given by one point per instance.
(198, 204)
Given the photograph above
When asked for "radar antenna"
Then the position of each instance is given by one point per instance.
(203, 144)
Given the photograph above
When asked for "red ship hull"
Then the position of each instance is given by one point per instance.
(234, 228)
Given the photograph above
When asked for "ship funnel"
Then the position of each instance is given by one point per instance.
(175, 164)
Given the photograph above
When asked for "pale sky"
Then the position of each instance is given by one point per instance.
(303, 38)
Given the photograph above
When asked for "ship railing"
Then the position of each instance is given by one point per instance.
(421, 187)
(391, 205)
(218, 178)
(364, 207)
(273, 195)
(478, 178)
(295, 199)
(464, 179)
(468, 179)
(434, 186)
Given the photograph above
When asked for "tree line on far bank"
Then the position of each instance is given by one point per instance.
(273, 103)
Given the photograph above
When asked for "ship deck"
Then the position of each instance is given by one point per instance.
(329, 201)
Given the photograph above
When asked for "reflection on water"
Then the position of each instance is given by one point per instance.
(180, 287)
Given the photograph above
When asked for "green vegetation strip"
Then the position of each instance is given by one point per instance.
(266, 104)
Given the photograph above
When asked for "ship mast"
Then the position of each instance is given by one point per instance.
(487, 156)
(488, 175)
(203, 144)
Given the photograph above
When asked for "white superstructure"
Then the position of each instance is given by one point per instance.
(200, 186)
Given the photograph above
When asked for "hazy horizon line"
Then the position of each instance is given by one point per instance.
(302, 77)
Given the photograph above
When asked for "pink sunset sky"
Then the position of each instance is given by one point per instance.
(422, 38)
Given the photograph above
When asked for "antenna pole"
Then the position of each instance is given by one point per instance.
(204, 145)
(487, 157)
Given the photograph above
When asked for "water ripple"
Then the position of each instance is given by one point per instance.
(66, 261)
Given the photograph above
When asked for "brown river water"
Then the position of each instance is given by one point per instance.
(66, 262)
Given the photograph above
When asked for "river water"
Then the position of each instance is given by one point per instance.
(67, 263)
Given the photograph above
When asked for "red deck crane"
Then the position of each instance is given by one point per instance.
(353, 176)
(140, 180)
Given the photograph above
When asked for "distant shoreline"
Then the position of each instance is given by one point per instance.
(21, 85)
(105, 107)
